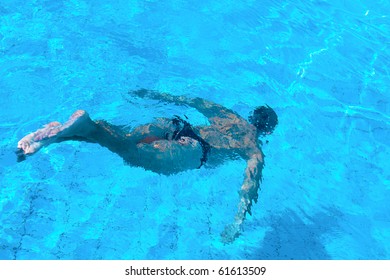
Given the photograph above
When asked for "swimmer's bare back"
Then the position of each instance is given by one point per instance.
(152, 147)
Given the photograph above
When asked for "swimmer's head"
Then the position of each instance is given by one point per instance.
(264, 119)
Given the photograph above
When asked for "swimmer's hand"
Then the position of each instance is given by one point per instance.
(230, 233)
(141, 92)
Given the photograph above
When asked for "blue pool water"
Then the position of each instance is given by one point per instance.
(323, 66)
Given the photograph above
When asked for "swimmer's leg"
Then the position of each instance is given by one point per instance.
(79, 126)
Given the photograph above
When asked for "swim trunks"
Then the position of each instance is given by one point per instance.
(184, 128)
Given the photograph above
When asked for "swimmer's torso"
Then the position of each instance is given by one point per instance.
(157, 151)
(223, 133)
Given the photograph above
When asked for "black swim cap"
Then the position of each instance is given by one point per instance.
(265, 119)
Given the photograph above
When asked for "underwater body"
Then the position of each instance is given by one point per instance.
(322, 65)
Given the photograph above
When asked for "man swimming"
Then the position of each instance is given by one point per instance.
(168, 146)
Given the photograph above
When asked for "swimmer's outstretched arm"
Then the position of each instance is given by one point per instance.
(248, 194)
(207, 108)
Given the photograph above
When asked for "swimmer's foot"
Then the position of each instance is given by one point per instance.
(32, 142)
(52, 132)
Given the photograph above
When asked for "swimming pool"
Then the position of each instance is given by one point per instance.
(323, 66)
